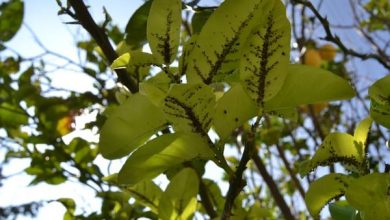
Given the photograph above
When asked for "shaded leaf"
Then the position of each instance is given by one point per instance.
(179, 199)
(147, 193)
(379, 94)
(370, 194)
(11, 17)
(341, 210)
(136, 27)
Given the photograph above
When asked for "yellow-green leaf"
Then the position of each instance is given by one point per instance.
(147, 193)
(121, 62)
(379, 94)
(266, 56)
(179, 199)
(370, 194)
(308, 85)
(163, 29)
(190, 107)
(129, 126)
(325, 189)
(232, 110)
(162, 153)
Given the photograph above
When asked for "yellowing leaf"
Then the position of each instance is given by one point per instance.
(323, 190)
(64, 125)
(179, 199)
(163, 29)
(129, 126)
(162, 153)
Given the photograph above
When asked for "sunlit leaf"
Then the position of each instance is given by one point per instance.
(379, 94)
(361, 131)
(325, 189)
(156, 88)
(162, 153)
(370, 194)
(163, 29)
(179, 199)
(217, 49)
(11, 17)
(265, 60)
(129, 126)
(308, 85)
(232, 110)
(190, 107)
(121, 62)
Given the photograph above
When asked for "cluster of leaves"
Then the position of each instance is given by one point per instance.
(223, 80)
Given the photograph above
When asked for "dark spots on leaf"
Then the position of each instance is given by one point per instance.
(236, 119)
(283, 53)
(225, 111)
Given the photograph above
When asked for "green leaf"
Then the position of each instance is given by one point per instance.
(190, 107)
(179, 199)
(341, 210)
(361, 131)
(12, 116)
(156, 88)
(121, 62)
(147, 193)
(341, 147)
(325, 189)
(11, 18)
(232, 110)
(163, 29)
(370, 195)
(379, 94)
(308, 85)
(160, 154)
(136, 27)
(337, 147)
(129, 126)
(265, 60)
(218, 47)
(199, 19)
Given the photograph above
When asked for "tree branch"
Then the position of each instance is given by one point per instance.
(335, 39)
(272, 187)
(99, 35)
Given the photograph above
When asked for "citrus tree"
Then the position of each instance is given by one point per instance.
(220, 86)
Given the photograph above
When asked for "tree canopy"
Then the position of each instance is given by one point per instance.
(268, 93)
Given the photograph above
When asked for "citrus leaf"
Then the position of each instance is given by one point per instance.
(190, 107)
(199, 19)
(370, 194)
(218, 47)
(179, 199)
(379, 94)
(362, 130)
(136, 27)
(308, 85)
(121, 62)
(129, 126)
(325, 189)
(156, 88)
(11, 18)
(162, 153)
(163, 29)
(337, 147)
(341, 210)
(147, 193)
(265, 60)
(232, 110)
